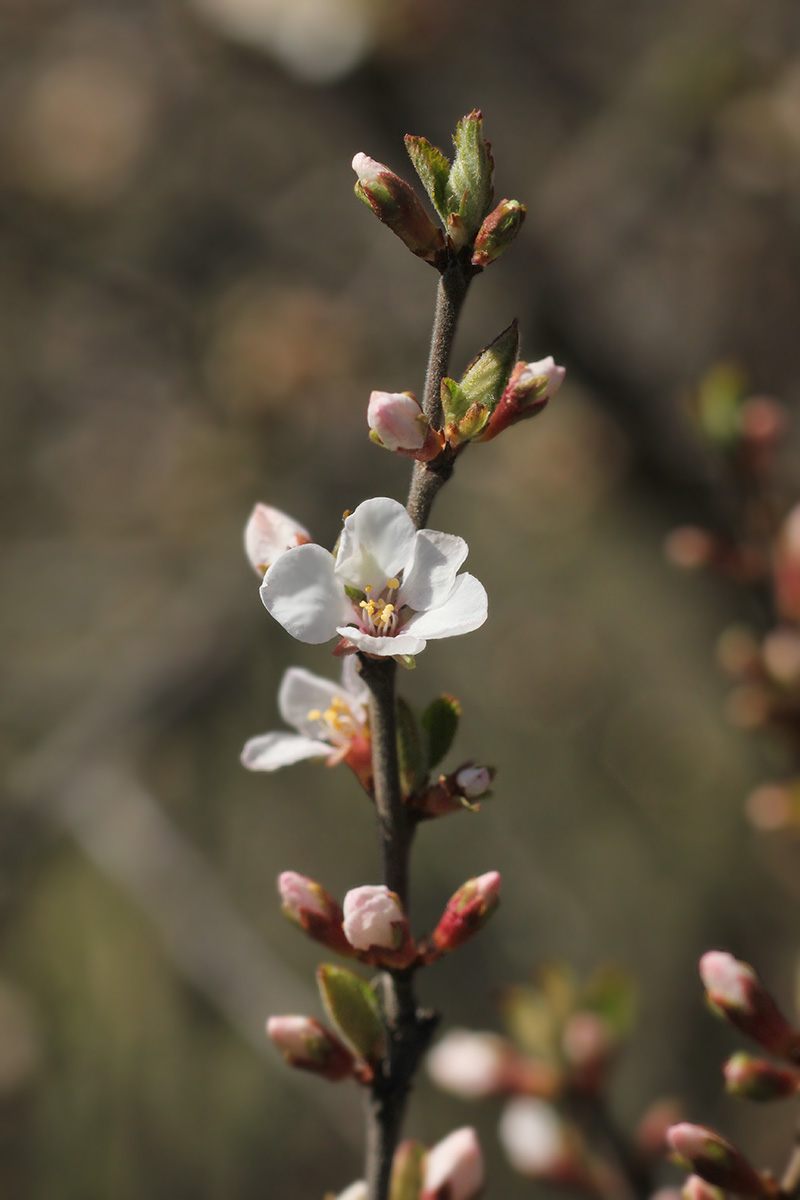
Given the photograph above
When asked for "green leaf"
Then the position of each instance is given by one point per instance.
(612, 995)
(486, 377)
(407, 1171)
(353, 1007)
(440, 723)
(530, 1020)
(410, 749)
(469, 185)
(433, 170)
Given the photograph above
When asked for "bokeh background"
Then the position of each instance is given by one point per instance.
(193, 309)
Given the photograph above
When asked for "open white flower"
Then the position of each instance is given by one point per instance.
(330, 718)
(387, 591)
(269, 533)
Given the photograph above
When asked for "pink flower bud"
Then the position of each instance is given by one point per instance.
(529, 388)
(471, 1064)
(398, 206)
(398, 423)
(752, 1078)
(454, 1168)
(696, 1188)
(309, 1046)
(473, 782)
(497, 232)
(714, 1159)
(651, 1132)
(375, 924)
(467, 911)
(736, 992)
(270, 533)
(312, 908)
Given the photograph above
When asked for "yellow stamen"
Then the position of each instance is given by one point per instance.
(368, 587)
(313, 714)
(393, 583)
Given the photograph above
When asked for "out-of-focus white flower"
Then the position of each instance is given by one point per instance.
(268, 534)
(454, 1168)
(389, 589)
(470, 1064)
(330, 718)
(356, 1191)
(532, 1135)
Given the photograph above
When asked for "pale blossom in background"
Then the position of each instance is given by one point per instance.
(532, 1136)
(469, 1064)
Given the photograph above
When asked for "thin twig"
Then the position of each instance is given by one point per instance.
(409, 1029)
(790, 1180)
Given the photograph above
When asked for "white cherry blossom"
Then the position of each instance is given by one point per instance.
(270, 533)
(388, 589)
(330, 718)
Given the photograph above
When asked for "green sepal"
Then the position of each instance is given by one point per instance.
(454, 402)
(355, 594)
(407, 661)
(474, 421)
(440, 725)
(353, 1007)
(469, 184)
(407, 1171)
(485, 379)
(410, 749)
(433, 170)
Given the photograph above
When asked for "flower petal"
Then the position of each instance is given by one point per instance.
(432, 572)
(272, 750)
(353, 684)
(402, 643)
(377, 541)
(465, 609)
(269, 533)
(300, 693)
(302, 593)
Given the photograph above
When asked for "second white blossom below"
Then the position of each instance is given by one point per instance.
(388, 590)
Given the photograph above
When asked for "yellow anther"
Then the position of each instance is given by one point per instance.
(346, 514)
(330, 716)
(387, 609)
(368, 587)
(313, 714)
(393, 583)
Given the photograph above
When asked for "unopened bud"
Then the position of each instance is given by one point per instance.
(375, 925)
(714, 1159)
(454, 1168)
(651, 1132)
(751, 1078)
(529, 388)
(356, 1191)
(469, 186)
(786, 567)
(398, 206)
(407, 1171)
(696, 1188)
(467, 911)
(497, 232)
(397, 423)
(312, 908)
(736, 992)
(473, 782)
(471, 1065)
(270, 533)
(309, 1046)
(588, 1047)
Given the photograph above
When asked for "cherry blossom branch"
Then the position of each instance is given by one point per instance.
(429, 478)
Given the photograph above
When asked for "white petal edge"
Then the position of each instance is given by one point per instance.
(432, 571)
(301, 692)
(302, 593)
(377, 542)
(403, 643)
(269, 533)
(465, 609)
(269, 751)
(352, 682)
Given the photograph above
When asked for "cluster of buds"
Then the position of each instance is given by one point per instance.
(555, 1070)
(451, 1170)
(495, 392)
(744, 435)
(735, 993)
(460, 191)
